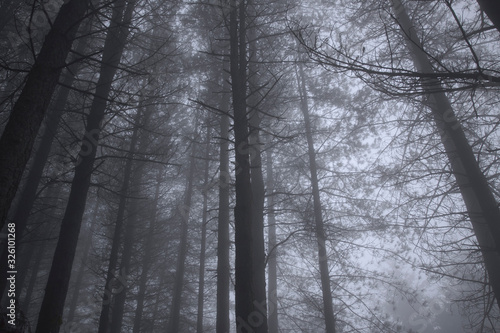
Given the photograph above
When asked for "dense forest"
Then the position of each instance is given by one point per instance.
(250, 166)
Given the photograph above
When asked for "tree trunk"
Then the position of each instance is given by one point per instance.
(154, 313)
(250, 312)
(257, 180)
(183, 210)
(134, 208)
(223, 243)
(50, 316)
(477, 195)
(7, 11)
(108, 297)
(27, 114)
(201, 277)
(318, 214)
(272, 294)
(148, 252)
(492, 9)
(126, 257)
(29, 193)
(87, 241)
(41, 251)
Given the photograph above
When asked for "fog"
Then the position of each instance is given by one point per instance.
(249, 166)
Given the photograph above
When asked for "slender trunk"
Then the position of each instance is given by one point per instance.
(318, 214)
(148, 252)
(29, 193)
(479, 200)
(51, 312)
(223, 243)
(154, 313)
(184, 211)
(136, 182)
(32, 244)
(108, 296)
(126, 257)
(272, 294)
(201, 277)
(37, 260)
(28, 112)
(26, 255)
(87, 241)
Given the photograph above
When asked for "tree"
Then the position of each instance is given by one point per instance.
(183, 211)
(57, 284)
(29, 190)
(481, 204)
(223, 241)
(492, 9)
(148, 252)
(251, 313)
(318, 214)
(272, 294)
(25, 119)
(201, 275)
(120, 225)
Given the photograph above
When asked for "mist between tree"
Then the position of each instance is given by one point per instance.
(249, 166)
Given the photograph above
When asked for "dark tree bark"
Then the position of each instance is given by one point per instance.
(223, 243)
(258, 190)
(272, 295)
(87, 241)
(29, 192)
(318, 214)
(126, 257)
(51, 312)
(35, 268)
(250, 311)
(155, 313)
(184, 212)
(8, 9)
(29, 251)
(492, 9)
(478, 197)
(201, 275)
(28, 112)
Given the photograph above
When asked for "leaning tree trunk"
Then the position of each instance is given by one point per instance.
(87, 242)
(51, 312)
(29, 192)
(272, 295)
(223, 243)
(318, 214)
(184, 212)
(478, 197)
(27, 114)
(250, 312)
(33, 279)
